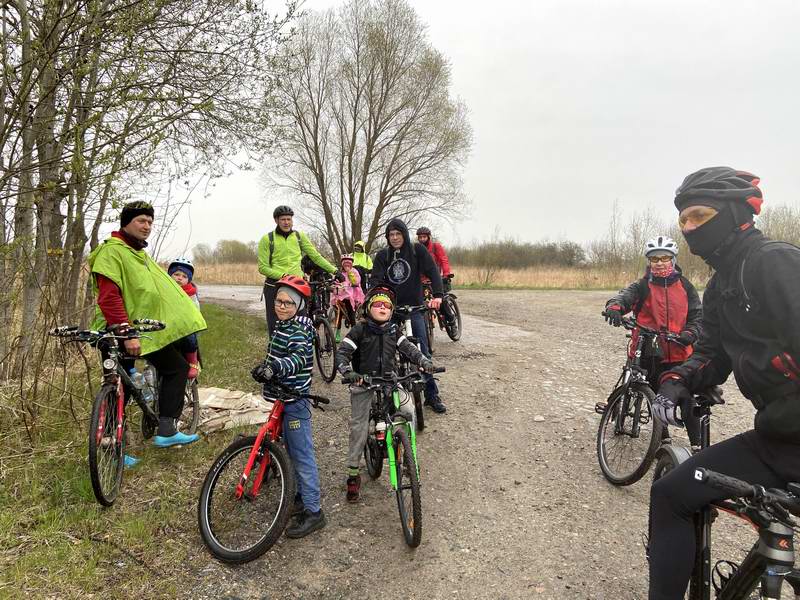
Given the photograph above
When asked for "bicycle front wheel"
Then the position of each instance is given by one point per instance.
(409, 503)
(106, 447)
(373, 456)
(419, 413)
(429, 317)
(325, 349)
(238, 530)
(453, 328)
(190, 415)
(628, 436)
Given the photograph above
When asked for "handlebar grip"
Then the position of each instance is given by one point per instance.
(320, 399)
(736, 488)
(63, 330)
(438, 369)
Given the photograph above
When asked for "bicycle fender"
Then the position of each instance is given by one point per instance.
(677, 454)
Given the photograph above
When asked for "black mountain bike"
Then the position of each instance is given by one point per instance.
(628, 436)
(453, 328)
(769, 562)
(108, 423)
(324, 336)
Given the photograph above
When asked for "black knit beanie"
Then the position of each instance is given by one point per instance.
(133, 209)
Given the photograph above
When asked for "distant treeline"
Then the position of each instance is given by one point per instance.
(619, 249)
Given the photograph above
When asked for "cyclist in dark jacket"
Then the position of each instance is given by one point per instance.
(663, 300)
(401, 265)
(370, 348)
(751, 327)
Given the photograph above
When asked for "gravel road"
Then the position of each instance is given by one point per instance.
(514, 503)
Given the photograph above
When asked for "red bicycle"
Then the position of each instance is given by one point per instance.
(248, 493)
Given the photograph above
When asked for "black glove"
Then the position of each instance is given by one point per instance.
(687, 338)
(613, 315)
(262, 373)
(672, 396)
(352, 377)
(339, 277)
(426, 365)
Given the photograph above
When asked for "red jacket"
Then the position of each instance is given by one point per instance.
(439, 256)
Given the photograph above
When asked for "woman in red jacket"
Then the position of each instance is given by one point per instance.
(663, 300)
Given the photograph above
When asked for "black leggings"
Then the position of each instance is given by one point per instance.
(677, 496)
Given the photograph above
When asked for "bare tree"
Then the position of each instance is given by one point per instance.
(370, 130)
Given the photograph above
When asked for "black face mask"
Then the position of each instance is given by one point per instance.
(707, 239)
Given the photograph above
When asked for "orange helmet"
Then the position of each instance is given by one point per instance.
(298, 284)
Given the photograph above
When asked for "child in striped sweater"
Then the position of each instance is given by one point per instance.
(289, 360)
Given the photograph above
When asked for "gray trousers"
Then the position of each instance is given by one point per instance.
(360, 402)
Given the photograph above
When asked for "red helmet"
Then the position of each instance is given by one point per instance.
(298, 284)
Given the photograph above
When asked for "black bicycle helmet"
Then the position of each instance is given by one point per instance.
(424, 231)
(282, 211)
(716, 186)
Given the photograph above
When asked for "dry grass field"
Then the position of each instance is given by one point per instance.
(575, 278)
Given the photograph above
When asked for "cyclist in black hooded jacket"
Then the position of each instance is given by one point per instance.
(751, 327)
(401, 266)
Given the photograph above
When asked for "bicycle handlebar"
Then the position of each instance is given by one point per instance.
(630, 324)
(407, 311)
(288, 393)
(736, 488)
(81, 335)
(375, 380)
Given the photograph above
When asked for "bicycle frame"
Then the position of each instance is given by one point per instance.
(272, 428)
(380, 394)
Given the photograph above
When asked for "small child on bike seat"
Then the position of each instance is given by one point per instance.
(370, 349)
(348, 292)
(289, 361)
(182, 271)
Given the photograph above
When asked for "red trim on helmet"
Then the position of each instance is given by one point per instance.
(756, 203)
(298, 284)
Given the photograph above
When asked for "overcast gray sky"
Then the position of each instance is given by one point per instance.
(577, 103)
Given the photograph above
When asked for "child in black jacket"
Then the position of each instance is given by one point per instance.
(370, 349)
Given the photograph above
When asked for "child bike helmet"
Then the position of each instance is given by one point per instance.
(298, 284)
(181, 264)
(346, 257)
(380, 289)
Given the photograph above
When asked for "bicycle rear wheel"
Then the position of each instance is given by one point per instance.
(190, 415)
(453, 328)
(628, 436)
(409, 503)
(241, 530)
(325, 349)
(106, 448)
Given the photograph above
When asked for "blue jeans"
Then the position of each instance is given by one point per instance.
(300, 445)
(419, 331)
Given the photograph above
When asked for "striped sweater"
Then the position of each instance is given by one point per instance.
(290, 353)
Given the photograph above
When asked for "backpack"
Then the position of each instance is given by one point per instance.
(272, 243)
(748, 302)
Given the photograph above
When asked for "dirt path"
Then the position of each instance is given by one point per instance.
(514, 505)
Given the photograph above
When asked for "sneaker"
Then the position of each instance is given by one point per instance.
(353, 488)
(178, 439)
(306, 523)
(130, 461)
(436, 405)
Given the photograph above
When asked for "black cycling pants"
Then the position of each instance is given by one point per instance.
(677, 496)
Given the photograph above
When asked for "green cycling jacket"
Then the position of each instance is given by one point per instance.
(287, 254)
(148, 292)
(362, 259)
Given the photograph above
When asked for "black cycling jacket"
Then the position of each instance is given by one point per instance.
(759, 341)
(370, 348)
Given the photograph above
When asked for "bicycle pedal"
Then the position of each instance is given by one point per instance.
(600, 408)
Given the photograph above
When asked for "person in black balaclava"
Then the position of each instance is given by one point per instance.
(401, 266)
(751, 327)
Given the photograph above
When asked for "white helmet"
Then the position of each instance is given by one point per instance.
(183, 264)
(661, 243)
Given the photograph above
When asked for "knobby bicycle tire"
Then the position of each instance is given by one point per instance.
(373, 456)
(453, 329)
(407, 485)
(243, 517)
(644, 453)
(419, 412)
(325, 349)
(429, 318)
(105, 454)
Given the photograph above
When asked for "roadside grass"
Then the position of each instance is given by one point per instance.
(57, 542)
(489, 277)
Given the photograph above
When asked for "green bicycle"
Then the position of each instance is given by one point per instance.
(392, 435)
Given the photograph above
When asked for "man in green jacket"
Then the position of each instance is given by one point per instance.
(362, 263)
(130, 285)
(280, 253)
